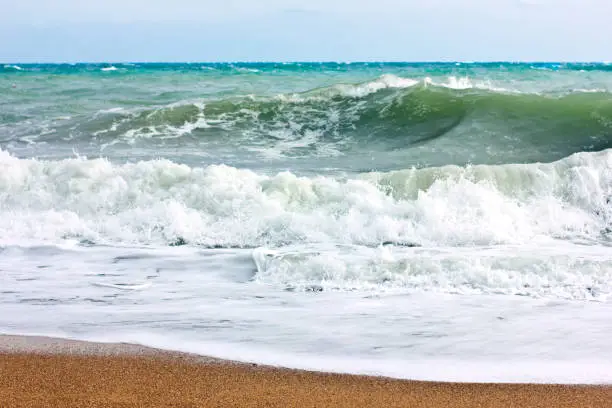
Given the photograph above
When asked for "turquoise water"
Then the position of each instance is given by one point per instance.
(388, 218)
(355, 117)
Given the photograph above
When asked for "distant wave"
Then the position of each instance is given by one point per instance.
(13, 67)
(466, 120)
(249, 67)
(390, 112)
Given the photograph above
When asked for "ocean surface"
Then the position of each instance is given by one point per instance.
(447, 221)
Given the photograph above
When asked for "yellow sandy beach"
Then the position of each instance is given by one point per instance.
(45, 372)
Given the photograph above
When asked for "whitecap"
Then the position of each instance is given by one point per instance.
(15, 67)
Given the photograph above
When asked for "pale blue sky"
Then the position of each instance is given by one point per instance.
(275, 30)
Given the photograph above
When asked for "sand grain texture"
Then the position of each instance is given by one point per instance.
(112, 377)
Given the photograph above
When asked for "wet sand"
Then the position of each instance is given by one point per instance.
(46, 372)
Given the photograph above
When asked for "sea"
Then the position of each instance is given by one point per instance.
(431, 221)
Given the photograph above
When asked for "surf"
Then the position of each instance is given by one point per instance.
(162, 202)
(417, 121)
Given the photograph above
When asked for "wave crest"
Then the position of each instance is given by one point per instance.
(387, 114)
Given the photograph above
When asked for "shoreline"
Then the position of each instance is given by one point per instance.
(47, 345)
(44, 371)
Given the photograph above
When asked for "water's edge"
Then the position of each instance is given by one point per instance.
(430, 371)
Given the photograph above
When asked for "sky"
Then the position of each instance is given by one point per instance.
(305, 30)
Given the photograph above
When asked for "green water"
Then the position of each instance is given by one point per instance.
(307, 117)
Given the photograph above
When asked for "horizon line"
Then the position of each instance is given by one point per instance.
(467, 62)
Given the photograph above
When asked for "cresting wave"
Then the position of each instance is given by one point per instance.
(388, 108)
(337, 224)
(388, 114)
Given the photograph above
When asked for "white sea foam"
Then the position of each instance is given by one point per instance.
(384, 82)
(513, 206)
(123, 118)
(453, 82)
(15, 67)
(591, 371)
(560, 271)
(389, 81)
(111, 68)
(111, 110)
(244, 69)
(474, 205)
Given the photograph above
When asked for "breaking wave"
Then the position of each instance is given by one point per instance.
(163, 203)
(387, 114)
(160, 201)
